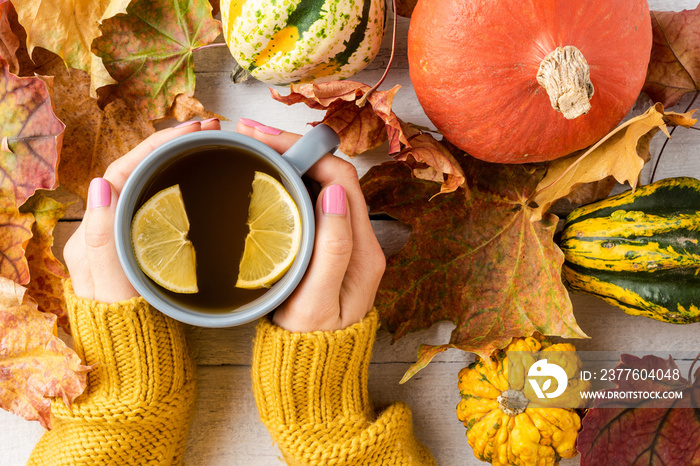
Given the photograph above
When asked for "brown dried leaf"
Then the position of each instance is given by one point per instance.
(621, 154)
(34, 363)
(186, 107)
(405, 7)
(591, 192)
(47, 273)
(9, 43)
(362, 128)
(27, 64)
(215, 7)
(480, 263)
(429, 159)
(94, 137)
(674, 68)
(359, 128)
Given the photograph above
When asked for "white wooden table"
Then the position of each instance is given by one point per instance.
(226, 428)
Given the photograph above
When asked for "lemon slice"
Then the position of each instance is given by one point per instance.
(159, 239)
(274, 236)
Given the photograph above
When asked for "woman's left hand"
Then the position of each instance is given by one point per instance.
(91, 254)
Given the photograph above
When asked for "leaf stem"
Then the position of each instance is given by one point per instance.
(661, 152)
(217, 44)
(361, 102)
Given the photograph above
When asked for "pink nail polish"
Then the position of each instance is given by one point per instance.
(334, 200)
(99, 193)
(186, 123)
(260, 127)
(209, 120)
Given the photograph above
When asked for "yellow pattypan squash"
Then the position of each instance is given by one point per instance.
(503, 426)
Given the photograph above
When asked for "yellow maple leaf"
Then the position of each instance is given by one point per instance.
(621, 154)
(67, 28)
(34, 363)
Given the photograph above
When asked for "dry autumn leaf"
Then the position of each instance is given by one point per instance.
(359, 128)
(25, 64)
(9, 43)
(429, 159)
(46, 272)
(674, 68)
(621, 154)
(94, 137)
(34, 363)
(185, 107)
(480, 263)
(405, 7)
(15, 232)
(148, 52)
(67, 28)
(646, 431)
(365, 127)
(33, 134)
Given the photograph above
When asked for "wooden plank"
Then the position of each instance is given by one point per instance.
(227, 418)
(609, 327)
(17, 438)
(227, 431)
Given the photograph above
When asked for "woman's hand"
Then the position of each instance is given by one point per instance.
(91, 254)
(347, 263)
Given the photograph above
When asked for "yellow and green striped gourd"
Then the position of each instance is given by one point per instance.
(639, 250)
(289, 41)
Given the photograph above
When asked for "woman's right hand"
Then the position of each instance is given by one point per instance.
(347, 263)
(91, 253)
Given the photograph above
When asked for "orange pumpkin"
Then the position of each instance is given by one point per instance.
(517, 82)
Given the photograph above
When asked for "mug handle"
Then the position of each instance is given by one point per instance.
(311, 147)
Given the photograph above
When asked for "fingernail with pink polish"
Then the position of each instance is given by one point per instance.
(209, 120)
(260, 127)
(334, 200)
(186, 123)
(99, 193)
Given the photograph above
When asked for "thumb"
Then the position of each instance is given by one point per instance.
(110, 282)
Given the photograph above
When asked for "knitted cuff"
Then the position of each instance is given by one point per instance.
(312, 378)
(141, 391)
(139, 355)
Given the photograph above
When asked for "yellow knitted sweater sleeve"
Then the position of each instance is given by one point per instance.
(311, 392)
(140, 395)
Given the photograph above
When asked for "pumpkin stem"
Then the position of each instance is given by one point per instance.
(512, 402)
(565, 75)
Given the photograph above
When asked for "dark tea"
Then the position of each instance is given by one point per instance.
(215, 183)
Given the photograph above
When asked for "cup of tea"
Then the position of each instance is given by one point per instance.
(214, 171)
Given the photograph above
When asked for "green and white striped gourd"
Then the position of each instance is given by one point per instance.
(288, 41)
(639, 250)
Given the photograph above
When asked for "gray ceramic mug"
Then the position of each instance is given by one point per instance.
(290, 166)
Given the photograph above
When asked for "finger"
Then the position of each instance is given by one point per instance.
(211, 124)
(108, 278)
(316, 304)
(367, 263)
(273, 137)
(120, 169)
